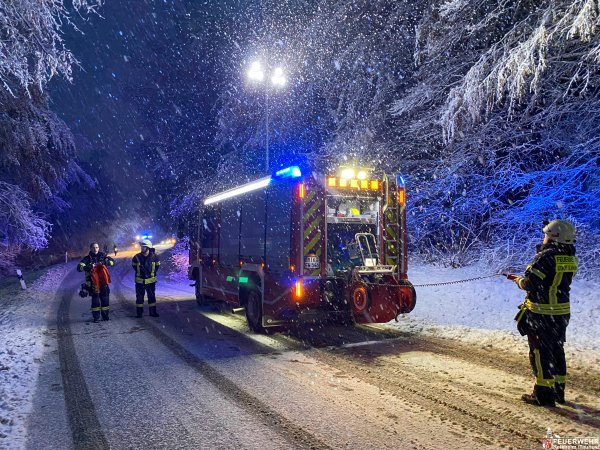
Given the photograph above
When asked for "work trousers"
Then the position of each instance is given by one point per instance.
(546, 337)
(100, 303)
(150, 290)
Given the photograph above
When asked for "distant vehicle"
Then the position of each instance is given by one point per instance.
(297, 244)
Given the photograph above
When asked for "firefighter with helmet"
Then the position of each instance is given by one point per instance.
(145, 264)
(97, 280)
(545, 313)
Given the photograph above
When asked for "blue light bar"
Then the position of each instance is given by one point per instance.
(292, 172)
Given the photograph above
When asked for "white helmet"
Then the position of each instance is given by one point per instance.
(146, 243)
(560, 231)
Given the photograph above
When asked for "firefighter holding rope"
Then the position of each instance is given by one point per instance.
(544, 315)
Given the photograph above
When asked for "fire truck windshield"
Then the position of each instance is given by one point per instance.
(347, 216)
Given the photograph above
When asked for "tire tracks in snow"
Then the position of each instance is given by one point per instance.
(498, 419)
(296, 435)
(83, 420)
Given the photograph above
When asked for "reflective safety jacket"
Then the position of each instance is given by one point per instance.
(547, 281)
(87, 263)
(145, 267)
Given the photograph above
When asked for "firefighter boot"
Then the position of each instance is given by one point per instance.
(542, 396)
(153, 312)
(559, 393)
(139, 312)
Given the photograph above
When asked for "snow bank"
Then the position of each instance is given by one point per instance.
(23, 328)
(483, 311)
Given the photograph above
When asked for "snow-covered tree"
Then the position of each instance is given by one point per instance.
(32, 48)
(36, 147)
(517, 139)
(488, 107)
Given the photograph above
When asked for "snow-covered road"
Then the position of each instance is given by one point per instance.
(197, 378)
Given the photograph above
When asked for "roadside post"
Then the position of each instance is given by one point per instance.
(20, 277)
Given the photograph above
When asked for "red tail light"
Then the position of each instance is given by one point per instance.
(298, 290)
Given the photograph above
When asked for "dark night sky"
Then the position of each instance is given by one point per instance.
(148, 70)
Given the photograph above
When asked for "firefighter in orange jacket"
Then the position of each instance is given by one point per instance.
(99, 292)
(544, 315)
(145, 264)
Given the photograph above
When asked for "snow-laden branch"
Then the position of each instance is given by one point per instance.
(32, 48)
(517, 65)
(19, 225)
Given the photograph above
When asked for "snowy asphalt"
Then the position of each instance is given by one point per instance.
(197, 378)
(147, 390)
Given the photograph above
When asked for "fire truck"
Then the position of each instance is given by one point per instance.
(298, 244)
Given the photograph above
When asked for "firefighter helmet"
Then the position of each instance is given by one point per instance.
(560, 231)
(146, 243)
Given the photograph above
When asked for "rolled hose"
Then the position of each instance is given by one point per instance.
(408, 300)
(360, 298)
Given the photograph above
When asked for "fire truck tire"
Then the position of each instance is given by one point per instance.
(254, 311)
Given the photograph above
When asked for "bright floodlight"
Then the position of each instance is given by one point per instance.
(278, 79)
(347, 174)
(361, 175)
(256, 72)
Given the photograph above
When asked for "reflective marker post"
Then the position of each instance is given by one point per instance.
(20, 277)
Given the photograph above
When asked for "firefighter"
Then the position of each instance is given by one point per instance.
(545, 313)
(115, 249)
(97, 280)
(145, 264)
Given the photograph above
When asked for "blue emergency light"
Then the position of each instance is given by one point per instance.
(289, 172)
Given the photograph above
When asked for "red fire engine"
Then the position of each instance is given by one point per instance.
(298, 243)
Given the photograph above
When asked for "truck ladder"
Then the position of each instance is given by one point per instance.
(391, 225)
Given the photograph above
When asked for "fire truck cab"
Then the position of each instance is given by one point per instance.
(299, 243)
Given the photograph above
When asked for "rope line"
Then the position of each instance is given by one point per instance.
(458, 281)
(466, 280)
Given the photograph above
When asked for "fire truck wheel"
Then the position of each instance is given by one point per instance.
(254, 312)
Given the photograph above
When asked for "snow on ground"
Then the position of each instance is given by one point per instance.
(482, 311)
(23, 329)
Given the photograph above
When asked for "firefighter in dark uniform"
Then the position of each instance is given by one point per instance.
(145, 264)
(100, 299)
(545, 313)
